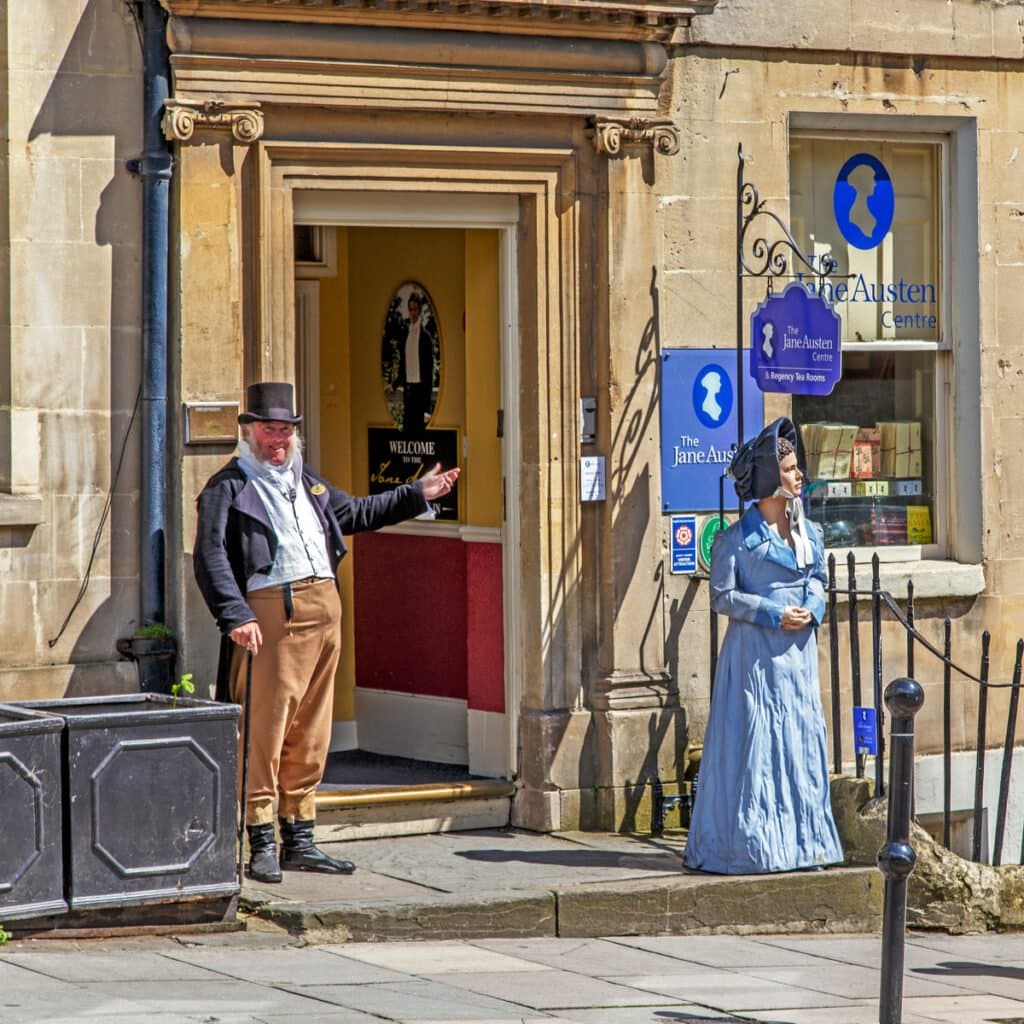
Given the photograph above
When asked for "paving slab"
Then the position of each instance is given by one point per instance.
(1002, 978)
(208, 997)
(732, 990)
(850, 981)
(287, 966)
(557, 990)
(338, 1016)
(862, 1013)
(57, 1000)
(675, 1013)
(967, 1009)
(729, 950)
(603, 958)
(429, 959)
(1009, 947)
(115, 967)
(419, 1000)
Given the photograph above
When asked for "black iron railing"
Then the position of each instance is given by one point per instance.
(877, 600)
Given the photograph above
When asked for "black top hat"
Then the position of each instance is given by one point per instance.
(269, 400)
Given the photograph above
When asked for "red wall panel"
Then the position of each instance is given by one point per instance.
(410, 614)
(485, 647)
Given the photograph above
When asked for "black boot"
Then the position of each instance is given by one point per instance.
(300, 853)
(263, 853)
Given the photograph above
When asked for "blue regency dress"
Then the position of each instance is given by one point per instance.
(763, 796)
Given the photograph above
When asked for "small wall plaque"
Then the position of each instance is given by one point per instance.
(211, 422)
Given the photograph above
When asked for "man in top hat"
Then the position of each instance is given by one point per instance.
(268, 542)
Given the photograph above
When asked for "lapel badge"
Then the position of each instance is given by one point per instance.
(318, 489)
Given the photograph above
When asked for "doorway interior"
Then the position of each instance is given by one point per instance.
(423, 690)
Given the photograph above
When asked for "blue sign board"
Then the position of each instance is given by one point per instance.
(795, 343)
(865, 731)
(684, 544)
(698, 425)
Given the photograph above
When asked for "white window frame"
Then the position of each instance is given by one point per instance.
(957, 507)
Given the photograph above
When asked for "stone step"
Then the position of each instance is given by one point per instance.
(382, 811)
(837, 900)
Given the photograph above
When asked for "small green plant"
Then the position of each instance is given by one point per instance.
(153, 631)
(183, 685)
(5, 936)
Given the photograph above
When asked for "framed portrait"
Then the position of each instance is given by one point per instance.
(410, 357)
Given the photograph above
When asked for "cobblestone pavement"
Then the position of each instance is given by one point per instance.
(266, 976)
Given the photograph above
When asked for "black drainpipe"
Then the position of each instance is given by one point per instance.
(155, 170)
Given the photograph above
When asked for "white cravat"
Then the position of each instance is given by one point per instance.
(802, 546)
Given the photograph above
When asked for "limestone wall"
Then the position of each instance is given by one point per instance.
(69, 342)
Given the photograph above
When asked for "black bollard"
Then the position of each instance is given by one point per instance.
(903, 698)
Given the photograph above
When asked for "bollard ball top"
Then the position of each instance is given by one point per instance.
(896, 860)
(904, 697)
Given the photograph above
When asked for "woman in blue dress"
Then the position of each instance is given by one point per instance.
(763, 799)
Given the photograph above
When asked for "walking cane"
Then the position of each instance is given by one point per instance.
(245, 760)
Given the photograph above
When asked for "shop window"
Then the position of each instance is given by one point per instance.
(877, 208)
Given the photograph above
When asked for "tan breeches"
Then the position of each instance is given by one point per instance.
(292, 699)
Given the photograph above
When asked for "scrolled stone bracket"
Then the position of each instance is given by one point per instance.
(183, 117)
(615, 135)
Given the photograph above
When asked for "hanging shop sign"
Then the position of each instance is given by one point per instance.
(795, 343)
(698, 425)
(396, 458)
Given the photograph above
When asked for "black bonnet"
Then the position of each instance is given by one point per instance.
(755, 466)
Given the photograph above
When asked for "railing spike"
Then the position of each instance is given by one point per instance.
(947, 730)
(1007, 766)
(979, 763)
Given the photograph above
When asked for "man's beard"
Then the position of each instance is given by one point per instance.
(294, 448)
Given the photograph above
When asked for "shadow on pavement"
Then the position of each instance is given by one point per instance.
(580, 858)
(963, 968)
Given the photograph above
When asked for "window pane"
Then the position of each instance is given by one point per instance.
(874, 206)
(872, 483)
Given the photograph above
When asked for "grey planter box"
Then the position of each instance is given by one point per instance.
(150, 795)
(31, 856)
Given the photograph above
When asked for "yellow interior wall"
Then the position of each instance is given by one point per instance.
(482, 462)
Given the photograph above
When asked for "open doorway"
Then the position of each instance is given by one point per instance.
(402, 357)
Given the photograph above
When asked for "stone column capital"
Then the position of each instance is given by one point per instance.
(615, 135)
(182, 117)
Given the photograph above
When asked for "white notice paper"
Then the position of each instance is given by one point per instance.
(592, 478)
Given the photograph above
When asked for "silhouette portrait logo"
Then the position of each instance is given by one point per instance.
(863, 201)
(712, 395)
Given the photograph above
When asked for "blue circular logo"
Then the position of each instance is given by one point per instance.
(863, 201)
(712, 395)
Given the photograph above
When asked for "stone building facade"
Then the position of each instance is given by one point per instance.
(560, 180)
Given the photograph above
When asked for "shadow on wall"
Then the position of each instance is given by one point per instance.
(94, 107)
(666, 728)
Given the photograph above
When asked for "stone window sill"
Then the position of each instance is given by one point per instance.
(20, 510)
(933, 578)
